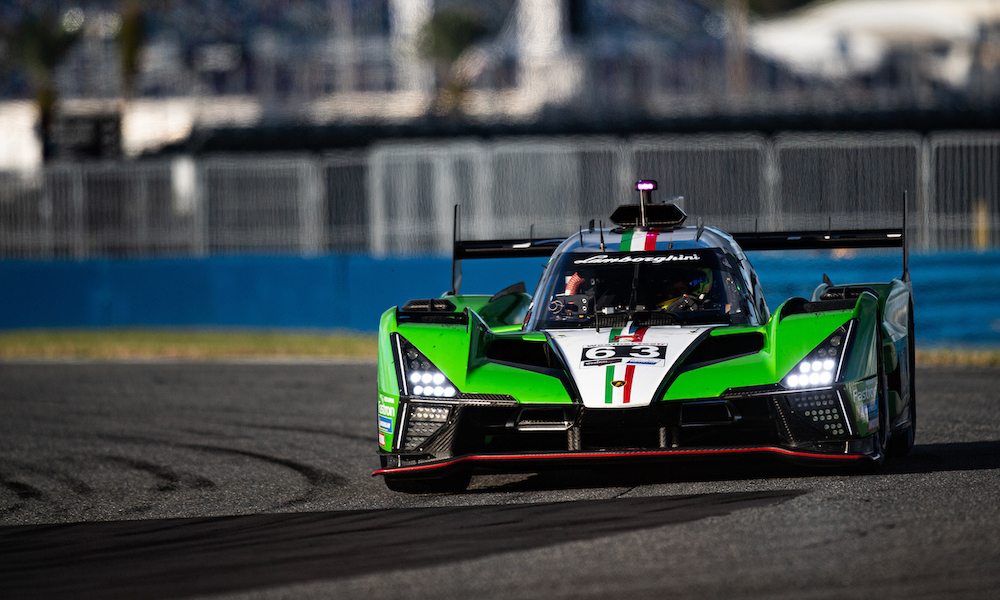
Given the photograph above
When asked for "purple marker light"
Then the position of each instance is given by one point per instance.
(645, 187)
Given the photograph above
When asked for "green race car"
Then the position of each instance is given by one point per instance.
(649, 341)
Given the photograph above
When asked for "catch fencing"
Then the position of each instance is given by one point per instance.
(398, 198)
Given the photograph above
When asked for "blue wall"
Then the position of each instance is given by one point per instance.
(957, 296)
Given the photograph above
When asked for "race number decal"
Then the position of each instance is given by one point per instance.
(630, 354)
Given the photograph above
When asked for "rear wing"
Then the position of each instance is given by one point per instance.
(812, 240)
(504, 248)
(830, 239)
(523, 248)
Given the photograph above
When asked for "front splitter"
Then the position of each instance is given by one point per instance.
(555, 459)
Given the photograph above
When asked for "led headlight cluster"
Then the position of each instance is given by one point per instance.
(420, 376)
(422, 422)
(431, 383)
(822, 409)
(821, 367)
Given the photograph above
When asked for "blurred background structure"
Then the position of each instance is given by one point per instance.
(156, 73)
(135, 127)
(162, 128)
(396, 198)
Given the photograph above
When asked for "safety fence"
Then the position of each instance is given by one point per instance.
(397, 198)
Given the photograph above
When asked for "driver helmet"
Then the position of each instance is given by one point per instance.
(699, 282)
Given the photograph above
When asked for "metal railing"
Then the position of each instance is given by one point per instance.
(397, 198)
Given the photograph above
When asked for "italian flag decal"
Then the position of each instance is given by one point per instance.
(618, 378)
(638, 241)
(623, 367)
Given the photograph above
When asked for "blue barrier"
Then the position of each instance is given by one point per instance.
(956, 295)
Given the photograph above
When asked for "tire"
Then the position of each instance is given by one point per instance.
(901, 443)
(877, 455)
(455, 483)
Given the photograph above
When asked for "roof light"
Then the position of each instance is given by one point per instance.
(645, 185)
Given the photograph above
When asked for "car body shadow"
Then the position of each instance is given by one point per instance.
(171, 558)
(923, 458)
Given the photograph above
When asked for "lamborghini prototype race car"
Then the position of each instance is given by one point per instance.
(649, 341)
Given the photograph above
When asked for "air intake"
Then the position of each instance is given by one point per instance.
(718, 348)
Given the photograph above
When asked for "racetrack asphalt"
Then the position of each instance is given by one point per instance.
(174, 480)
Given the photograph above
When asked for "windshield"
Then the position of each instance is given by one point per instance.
(647, 288)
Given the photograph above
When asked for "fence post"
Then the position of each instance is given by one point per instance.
(376, 204)
(926, 194)
(310, 207)
(770, 186)
(199, 205)
(81, 241)
(141, 245)
(626, 170)
(444, 197)
(482, 209)
(45, 210)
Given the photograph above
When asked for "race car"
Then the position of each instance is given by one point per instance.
(643, 343)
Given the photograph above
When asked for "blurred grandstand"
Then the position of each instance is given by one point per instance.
(329, 88)
(257, 67)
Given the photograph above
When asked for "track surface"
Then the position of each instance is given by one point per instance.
(253, 481)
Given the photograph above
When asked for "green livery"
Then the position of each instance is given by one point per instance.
(645, 343)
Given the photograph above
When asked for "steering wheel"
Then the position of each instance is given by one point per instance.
(685, 303)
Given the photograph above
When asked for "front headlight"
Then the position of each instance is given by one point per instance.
(821, 367)
(420, 377)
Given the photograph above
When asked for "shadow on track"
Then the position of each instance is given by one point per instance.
(629, 476)
(182, 557)
(924, 458)
(936, 458)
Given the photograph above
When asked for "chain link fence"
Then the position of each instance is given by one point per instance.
(398, 198)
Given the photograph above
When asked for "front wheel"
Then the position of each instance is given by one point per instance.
(877, 454)
(902, 442)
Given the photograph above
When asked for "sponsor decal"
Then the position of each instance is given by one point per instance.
(604, 259)
(386, 417)
(651, 363)
(601, 363)
(609, 351)
(864, 398)
(384, 424)
(872, 414)
(619, 383)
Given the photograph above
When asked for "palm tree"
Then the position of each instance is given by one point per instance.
(131, 37)
(38, 43)
(443, 40)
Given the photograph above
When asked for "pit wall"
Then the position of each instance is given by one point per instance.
(957, 295)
